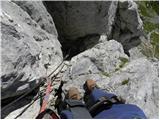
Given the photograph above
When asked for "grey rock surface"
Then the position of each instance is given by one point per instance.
(113, 71)
(28, 51)
(81, 18)
(98, 63)
(38, 13)
(136, 53)
(136, 83)
(128, 25)
(82, 23)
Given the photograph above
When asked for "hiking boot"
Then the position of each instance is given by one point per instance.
(89, 86)
(73, 93)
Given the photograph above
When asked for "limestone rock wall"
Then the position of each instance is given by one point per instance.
(128, 25)
(28, 52)
(39, 14)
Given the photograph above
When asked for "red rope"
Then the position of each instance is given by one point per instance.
(46, 97)
(48, 91)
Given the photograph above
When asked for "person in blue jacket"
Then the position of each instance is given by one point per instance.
(98, 104)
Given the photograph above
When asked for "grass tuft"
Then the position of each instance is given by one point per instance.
(124, 82)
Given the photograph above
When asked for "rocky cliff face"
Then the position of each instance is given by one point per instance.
(97, 36)
(82, 23)
(28, 51)
(128, 26)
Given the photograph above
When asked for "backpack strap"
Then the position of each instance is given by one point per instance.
(104, 103)
(78, 109)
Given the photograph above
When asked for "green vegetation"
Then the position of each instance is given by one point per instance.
(148, 8)
(155, 6)
(149, 11)
(148, 26)
(124, 82)
(123, 61)
(117, 69)
(154, 40)
(106, 74)
(121, 65)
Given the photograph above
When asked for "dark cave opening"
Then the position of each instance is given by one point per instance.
(71, 46)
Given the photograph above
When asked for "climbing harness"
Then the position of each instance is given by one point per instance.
(104, 103)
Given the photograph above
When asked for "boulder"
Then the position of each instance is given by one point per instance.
(128, 25)
(135, 53)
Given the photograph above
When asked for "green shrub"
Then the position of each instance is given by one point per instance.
(124, 82)
(149, 11)
(148, 26)
(106, 74)
(123, 61)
